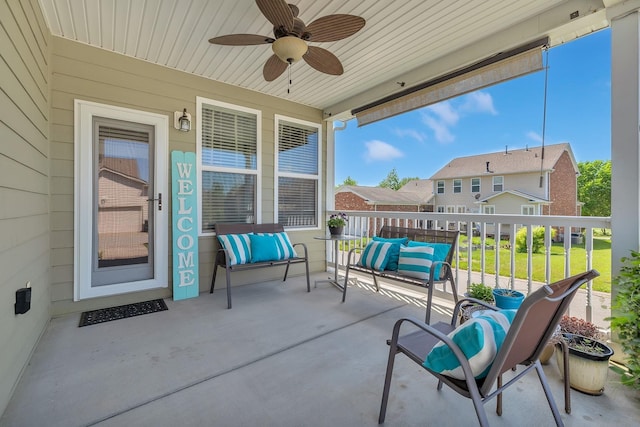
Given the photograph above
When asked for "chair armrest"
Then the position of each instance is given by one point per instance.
(468, 300)
(303, 247)
(225, 255)
(464, 362)
(351, 252)
(434, 264)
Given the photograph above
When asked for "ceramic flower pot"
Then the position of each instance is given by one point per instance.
(587, 368)
(507, 298)
(336, 231)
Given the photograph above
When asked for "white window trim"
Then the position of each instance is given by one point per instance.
(461, 209)
(532, 207)
(257, 172)
(438, 188)
(277, 174)
(493, 182)
(441, 209)
(479, 185)
(84, 111)
(454, 186)
(451, 209)
(486, 207)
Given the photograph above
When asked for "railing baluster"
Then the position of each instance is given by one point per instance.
(365, 224)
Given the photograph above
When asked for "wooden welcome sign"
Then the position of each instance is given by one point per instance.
(185, 225)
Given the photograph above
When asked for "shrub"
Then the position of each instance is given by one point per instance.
(537, 236)
(626, 320)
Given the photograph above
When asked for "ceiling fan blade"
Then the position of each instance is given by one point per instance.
(273, 68)
(334, 27)
(241, 40)
(323, 61)
(277, 12)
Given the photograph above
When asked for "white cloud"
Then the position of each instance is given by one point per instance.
(411, 133)
(380, 150)
(445, 113)
(535, 136)
(443, 116)
(479, 102)
(439, 128)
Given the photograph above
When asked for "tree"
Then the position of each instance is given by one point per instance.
(348, 181)
(594, 187)
(393, 181)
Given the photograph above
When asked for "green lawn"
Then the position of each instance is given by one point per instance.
(601, 261)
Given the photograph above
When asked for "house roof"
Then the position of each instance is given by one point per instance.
(127, 168)
(423, 189)
(411, 42)
(505, 162)
(530, 198)
(380, 195)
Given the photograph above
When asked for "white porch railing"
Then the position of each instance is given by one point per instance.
(482, 226)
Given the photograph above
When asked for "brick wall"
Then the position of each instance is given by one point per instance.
(563, 188)
(348, 201)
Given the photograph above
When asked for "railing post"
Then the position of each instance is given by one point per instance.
(588, 246)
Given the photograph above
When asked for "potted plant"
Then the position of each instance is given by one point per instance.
(336, 223)
(626, 319)
(507, 298)
(588, 356)
(480, 292)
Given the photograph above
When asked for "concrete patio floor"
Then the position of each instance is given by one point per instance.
(280, 357)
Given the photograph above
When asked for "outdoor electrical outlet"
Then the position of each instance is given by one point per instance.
(23, 300)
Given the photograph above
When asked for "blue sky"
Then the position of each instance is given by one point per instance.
(420, 142)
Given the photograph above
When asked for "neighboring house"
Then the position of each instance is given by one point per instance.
(415, 196)
(510, 182)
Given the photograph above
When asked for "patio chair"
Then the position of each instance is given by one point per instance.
(530, 330)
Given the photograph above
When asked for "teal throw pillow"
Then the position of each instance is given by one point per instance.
(264, 248)
(415, 261)
(376, 255)
(479, 338)
(395, 250)
(284, 244)
(440, 252)
(238, 247)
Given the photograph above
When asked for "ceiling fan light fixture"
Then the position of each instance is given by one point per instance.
(289, 49)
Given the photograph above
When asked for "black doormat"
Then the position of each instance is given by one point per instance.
(120, 312)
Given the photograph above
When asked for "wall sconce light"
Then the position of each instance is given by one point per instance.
(182, 121)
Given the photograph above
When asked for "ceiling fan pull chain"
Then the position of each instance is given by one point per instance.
(289, 86)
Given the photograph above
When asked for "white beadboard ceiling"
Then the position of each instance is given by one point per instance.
(403, 40)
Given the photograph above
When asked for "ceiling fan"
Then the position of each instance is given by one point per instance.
(291, 35)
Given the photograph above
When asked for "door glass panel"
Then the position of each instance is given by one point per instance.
(123, 228)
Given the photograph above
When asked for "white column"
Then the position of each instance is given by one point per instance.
(625, 135)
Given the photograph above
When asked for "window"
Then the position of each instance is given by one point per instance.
(489, 209)
(475, 185)
(457, 186)
(440, 209)
(498, 182)
(528, 210)
(451, 209)
(461, 209)
(297, 173)
(229, 152)
(440, 187)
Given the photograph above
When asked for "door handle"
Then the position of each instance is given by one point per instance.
(159, 199)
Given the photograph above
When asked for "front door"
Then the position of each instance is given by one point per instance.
(121, 221)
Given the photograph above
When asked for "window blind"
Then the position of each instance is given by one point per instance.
(229, 138)
(229, 141)
(297, 202)
(297, 148)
